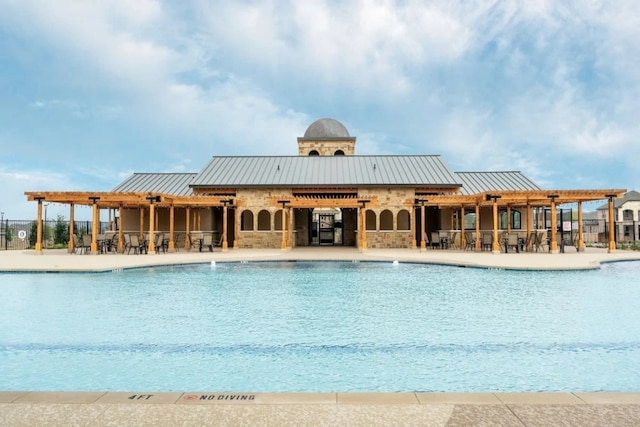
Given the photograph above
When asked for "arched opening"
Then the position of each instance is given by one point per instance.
(277, 220)
(404, 220)
(246, 221)
(386, 220)
(339, 153)
(264, 220)
(314, 153)
(370, 222)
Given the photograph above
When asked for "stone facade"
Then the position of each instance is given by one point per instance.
(327, 147)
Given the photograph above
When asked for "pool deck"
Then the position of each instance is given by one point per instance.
(198, 408)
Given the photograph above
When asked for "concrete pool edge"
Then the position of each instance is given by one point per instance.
(57, 261)
(326, 398)
(353, 409)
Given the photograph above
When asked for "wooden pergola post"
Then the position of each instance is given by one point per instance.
(612, 224)
(71, 245)
(423, 233)
(495, 247)
(529, 227)
(172, 246)
(141, 225)
(236, 228)
(151, 247)
(412, 219)
(120, 230)
(580, 240)
(187, 239)
(463, 238)
(478, 242)
(225, 243)
(290, 232)
(283, 217)
(553, 245)
(38, 247)
(363, 224)
(94, 225)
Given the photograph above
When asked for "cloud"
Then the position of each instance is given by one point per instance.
(158, 85)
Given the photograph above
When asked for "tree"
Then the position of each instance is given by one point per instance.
(33, 234)
(61, 231)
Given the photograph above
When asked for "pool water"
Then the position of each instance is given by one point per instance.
(322, 326)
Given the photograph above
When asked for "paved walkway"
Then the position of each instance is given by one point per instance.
(60, 260)
(20, 408)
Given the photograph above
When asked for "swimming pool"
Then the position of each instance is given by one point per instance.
(322, 326)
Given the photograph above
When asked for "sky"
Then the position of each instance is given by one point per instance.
(93, 91)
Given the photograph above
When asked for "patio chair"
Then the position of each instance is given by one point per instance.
(127, 243)
(487, 241)
(541, 240)
(470, 241)
(77, 246)
(160, 246)
(137, 245)
(512, 242)
(434, 241)
(206, 242)
(530, 243)
(86, 243)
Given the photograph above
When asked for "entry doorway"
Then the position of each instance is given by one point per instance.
(326, 227)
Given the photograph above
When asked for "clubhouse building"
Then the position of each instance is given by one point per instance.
(328, 195)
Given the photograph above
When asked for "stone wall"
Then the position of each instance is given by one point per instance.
(327, 147)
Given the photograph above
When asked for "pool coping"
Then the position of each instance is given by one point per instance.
(327, 398)
(57, 261)
(294, 409)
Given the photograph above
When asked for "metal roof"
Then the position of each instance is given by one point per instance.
(478, 182)
(325, 171)
(168, 183)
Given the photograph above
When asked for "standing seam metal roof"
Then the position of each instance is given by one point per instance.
(169, 183)
(290, 171)
(478, 182)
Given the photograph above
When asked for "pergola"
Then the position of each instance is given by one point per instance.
(495, 199)
(112, 200)
(528, 199)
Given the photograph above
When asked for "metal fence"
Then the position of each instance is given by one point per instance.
(22, 234)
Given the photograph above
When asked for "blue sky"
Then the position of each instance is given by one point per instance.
(92, 91)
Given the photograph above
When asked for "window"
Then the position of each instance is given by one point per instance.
(246, 221)
(277, 220)
(264, 220)
(371, 220)
(339, 153)
(627, 215)
(404, 220)
(515, 220)
(470, 221)
(314, 153)
(386, 220)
